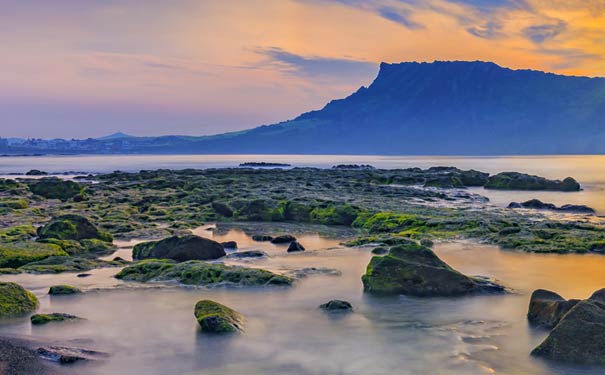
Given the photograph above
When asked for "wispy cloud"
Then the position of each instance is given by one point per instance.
(489, 30)
(541, 33)
(316, 66)
(400, 16)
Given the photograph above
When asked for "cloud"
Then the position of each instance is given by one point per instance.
(493, 5)
(541, 33)
(316, 67)
(400, 16)
(489, 30)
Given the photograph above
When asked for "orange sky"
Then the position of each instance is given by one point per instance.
(88, 68)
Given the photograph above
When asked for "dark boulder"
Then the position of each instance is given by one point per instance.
(247, 254)
(180, 249)
(415, 270)
(336, 305)
(578, 338)
(35, 172)
(546, 308)
(536, 204)
(286, 238)
(577, 209)
(72, 227)
(295, 246)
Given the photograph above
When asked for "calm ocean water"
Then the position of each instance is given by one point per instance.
(589, 170)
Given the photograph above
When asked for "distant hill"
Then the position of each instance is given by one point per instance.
(115, 136)
(440, 108)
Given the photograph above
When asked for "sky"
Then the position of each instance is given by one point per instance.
(88, 68)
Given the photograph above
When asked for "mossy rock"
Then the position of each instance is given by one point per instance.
(521, 181)
(16, 301)
(40, 319)
(8, 184)
(179, 248)
(415, 270)
(14, 203)
(222, 209)
(334, 214)
(60, 264)
(216, 318)
(17, 233)
(200, 273)
(72, 227)
(57, 290)
(14, 255)
(55, 188)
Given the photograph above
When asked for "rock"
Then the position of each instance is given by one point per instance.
(16, 301)
(59, 264)
(35, 172)
(578, 338)
(39, 319)
(521, 181)
(336, 305)
(263, 164)
(308, 271)
(537, 204)
(546, 308)
(55, 188)
(72, 227)
(229, 244)
(65, 355)
(216, 318)
(261, 238)
(295, 246)
(57, 290)
(201, 273)
(15, 255)
(183, 248)
(247, 254)
(415, 270)
(286, 238)
(222, 209)
(84, 275)
(380, 250)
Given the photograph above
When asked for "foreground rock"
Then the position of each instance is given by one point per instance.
(537, 204)
(15, 301)
(579, 337)
(415, 270)
(546, 308)
(214, 317)
(68, 355)
(521, 181)
(39, 319)
(180, 249)
(337, 305)
(58, 290)
(200, 273)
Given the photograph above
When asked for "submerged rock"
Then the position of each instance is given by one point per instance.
(261, 238)
(415, 270)
(229, 244)
(295, 246)
(579, 337)
(521, 181)
(16, 301)
(181, 249)
(57, 290)
(214, 317)
(39, 319)
(66, 355)
(537, 204)
(247, 254)
(546, 308)
(337, 305)
(196, 272)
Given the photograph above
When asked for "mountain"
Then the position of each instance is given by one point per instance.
(116, 135)
(444, 108)
(439, 108)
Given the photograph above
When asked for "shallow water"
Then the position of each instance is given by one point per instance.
(589, 170)
(152, 330)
